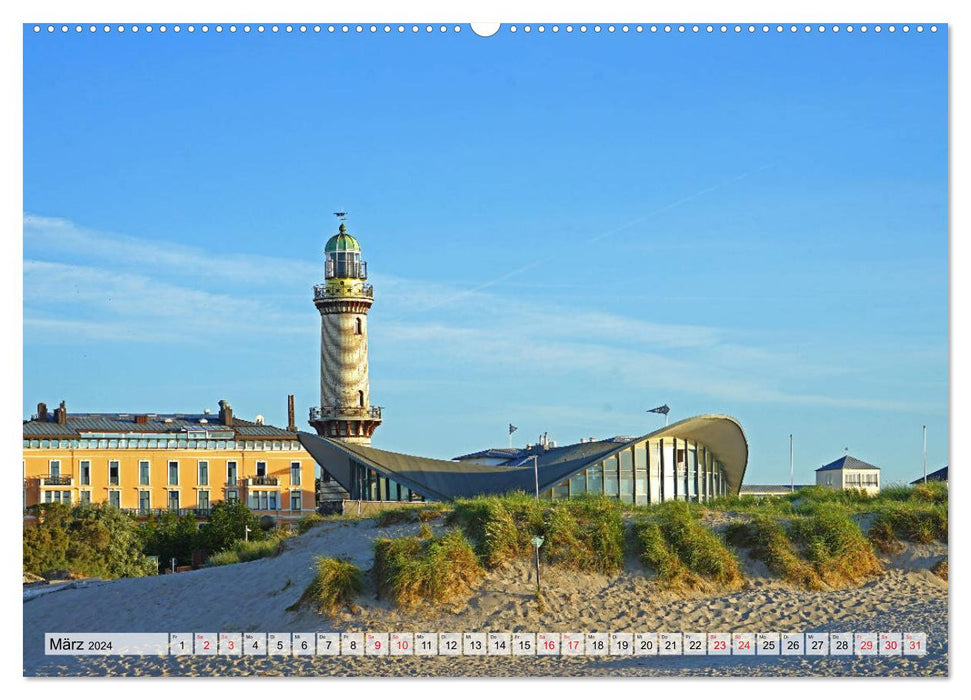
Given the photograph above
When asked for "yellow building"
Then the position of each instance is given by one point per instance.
(149, 463)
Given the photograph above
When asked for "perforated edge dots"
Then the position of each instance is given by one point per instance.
(484, 30)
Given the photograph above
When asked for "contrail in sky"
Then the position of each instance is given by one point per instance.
(605, 234)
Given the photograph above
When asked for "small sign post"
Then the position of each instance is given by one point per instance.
(537, 543)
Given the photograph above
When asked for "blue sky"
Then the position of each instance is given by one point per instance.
(562, 230)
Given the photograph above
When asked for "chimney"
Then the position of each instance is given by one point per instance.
(141, 419)
(62, 414)
(291, 418)
(42, 412)
(225, 413)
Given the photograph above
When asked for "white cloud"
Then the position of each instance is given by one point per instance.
(81, 284)
(108, 305)
(55, 238)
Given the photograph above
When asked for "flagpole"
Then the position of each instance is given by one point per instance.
(792, 468)
(925, 454)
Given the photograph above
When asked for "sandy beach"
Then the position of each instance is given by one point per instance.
(254, 596)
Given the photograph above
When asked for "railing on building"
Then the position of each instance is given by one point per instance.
(149, 512)
(50, 480)
(263, 481)
(323, 412)
(357, 290)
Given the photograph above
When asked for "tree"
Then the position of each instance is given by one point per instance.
(170, 537)
(88, 539)
(227, 525)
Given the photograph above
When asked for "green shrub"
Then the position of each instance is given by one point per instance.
(335, 585)
(414, 571)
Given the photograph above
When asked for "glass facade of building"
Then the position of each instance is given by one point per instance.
(370, 485)
(650, 471)
(643, 472)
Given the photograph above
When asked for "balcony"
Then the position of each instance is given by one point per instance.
(263, 481)
(318, 413)
(56, 480)
(355, 290)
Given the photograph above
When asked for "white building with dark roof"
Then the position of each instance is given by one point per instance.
(849, 473)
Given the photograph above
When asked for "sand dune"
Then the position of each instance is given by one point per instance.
(254, 597)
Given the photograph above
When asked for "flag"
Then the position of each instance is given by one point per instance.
(660, 409)
(512, 428)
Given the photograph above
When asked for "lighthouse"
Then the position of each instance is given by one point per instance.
(344, 299)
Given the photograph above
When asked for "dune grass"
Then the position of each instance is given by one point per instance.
(675, 533)
(655, 553)
(767, 540)
(334, 587)
(251, 550)
(309, 521)
(425, 570)
(409, 514)
(911, 521)
(832, 542)
(940, 569)
(581, 534)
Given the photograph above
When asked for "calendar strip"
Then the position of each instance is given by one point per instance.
(397, 644)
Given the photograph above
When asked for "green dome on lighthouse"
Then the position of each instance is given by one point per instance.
(342, 242)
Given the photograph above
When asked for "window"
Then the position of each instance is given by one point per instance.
(295, 473)
(85, 497)
(114, 499)
(144, 500)
(359, 326)
(610, 476)
(203, 473)
(296, 502)
(595, 478)
(66, 497)
(113, 473)
(173, 500)
(232, 496)
(143, 472)
(55, 468)
(261, 469)
(360, 399)
(231, 473)
(273, 501)
(203, 500)
(173, 473)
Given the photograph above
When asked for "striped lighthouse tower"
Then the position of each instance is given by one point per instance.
(344, 299)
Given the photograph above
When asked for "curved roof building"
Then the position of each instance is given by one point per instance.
(694, 459)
